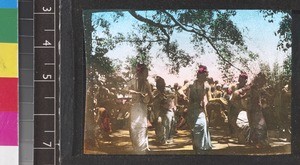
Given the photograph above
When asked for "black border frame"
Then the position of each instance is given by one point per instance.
(72, 81)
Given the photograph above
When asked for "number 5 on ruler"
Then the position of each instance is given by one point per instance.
(46, 77)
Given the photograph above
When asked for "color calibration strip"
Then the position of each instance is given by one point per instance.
(9, 145)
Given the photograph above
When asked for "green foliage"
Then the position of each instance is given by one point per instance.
(287, 66)
(208, 30)
(103, 82)
(284, 31)
(177, 57)
(277, 77)
(212, 28)
(142, 58)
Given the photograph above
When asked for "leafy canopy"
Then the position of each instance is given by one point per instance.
(208, 30)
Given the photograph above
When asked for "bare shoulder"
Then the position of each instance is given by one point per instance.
(207, 86)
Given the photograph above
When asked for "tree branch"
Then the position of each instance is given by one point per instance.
(202, 35)
(152, 23)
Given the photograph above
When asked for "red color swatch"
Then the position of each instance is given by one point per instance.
(8, 94)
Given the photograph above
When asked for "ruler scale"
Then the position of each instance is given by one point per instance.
(45, 98)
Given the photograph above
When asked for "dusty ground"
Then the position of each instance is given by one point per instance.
(222, 145)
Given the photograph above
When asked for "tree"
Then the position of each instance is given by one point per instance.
(287, 66)
(209, 30)
(103, 82)
(284, 33)
(282, 99)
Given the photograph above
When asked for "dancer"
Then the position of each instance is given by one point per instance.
(197, 118)
(164, 108)
(141, 94)
(158, 97)
(238, 103)
(258, 126)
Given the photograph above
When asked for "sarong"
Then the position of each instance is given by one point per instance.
(201, 135)
(138, 127)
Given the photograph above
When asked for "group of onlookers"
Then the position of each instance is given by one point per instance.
(195, 106)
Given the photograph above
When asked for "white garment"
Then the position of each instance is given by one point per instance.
(138, 127)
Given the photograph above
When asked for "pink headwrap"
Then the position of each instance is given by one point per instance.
(202, 69)
(243, 75)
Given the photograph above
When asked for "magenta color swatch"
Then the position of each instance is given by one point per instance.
(8, 128)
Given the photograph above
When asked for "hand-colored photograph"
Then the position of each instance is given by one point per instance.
(187, 82)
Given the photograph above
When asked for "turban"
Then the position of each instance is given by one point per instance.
(202, 69)
(243, 75)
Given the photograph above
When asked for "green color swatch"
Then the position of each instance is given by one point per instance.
(9, 25)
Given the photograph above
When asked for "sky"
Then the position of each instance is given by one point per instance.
(259, 37)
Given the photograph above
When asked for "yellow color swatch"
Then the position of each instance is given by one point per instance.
(8, 60)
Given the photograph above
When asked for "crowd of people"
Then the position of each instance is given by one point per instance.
(195, 106)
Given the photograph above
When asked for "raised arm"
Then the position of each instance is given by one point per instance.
(149, 90)
(182, 89)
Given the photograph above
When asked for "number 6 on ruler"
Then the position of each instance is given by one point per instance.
(47, 43)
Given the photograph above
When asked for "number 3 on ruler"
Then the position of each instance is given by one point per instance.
(47, 43)
(47, 9)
